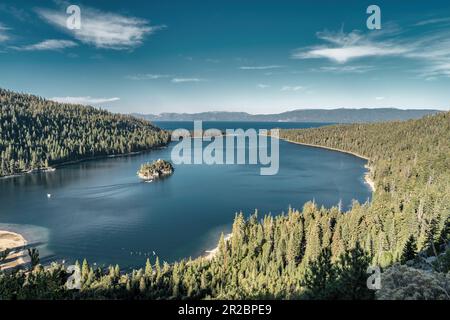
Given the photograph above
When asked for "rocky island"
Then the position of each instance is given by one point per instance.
(155, 170)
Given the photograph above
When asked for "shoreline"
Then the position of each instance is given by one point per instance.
(210, 254)
(367, 178)
(325, 147)
(15, 240)
(12, 241)
(66, 163)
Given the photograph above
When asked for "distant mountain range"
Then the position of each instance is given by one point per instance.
(342, 115)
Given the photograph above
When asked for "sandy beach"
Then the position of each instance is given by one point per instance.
(210, 254)
(13, 241)
(368, 179)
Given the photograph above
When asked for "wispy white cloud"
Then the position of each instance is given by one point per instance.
(436, 69)
(292, 88)
(103, 29)
(147, 76)
(87, 100)
(343, 47)
(379, 98)
(3, 33)
(260, 67)
(263, 86)
(151, 76)
(182, 80)
(345, 69)
(48, 45)
(433, 21)
(431, 48)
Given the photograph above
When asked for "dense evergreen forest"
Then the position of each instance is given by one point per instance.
(36, 133)
(312, 253)
(410, 165)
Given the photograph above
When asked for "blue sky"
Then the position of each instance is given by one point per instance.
(254, 56)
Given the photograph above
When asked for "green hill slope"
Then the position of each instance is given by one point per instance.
(36, 133)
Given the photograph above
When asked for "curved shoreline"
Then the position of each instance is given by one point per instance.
(12, 241)
(66, 163)
(367, 178)
(325, 147)
(210, 254)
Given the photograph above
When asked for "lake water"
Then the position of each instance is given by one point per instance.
(101, 211)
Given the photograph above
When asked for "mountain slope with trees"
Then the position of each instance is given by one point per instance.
(36, 133)
(410, 165)
(315, 253)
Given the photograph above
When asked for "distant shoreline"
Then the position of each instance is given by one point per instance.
(13, 241)
(66, 163)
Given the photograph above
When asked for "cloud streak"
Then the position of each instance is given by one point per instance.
(86, 100)
(260, 67)
(345, 69)
(343, 47)
(431, 48)
(103, 29)
(183, 80)
(292, 88)
(3, 33)
(147, 76)
(433, 21)
(48, 45)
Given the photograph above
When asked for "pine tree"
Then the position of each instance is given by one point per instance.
(431, 227)
(157, 268)
(320, 278)
(142, 285)
(352, 275)
(33, 253)
(238, 231)
(409, 251)
(444, 239)
(294, 247)
(148, 269)
(84, 270)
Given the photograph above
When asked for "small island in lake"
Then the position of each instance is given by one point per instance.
(155, 170)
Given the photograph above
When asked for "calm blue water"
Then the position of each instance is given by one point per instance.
(101, 211)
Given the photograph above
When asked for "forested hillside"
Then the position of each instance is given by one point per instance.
(315, 253)
(410, 164)
(36, 133)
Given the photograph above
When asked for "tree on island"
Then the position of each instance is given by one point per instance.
(156, 169)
